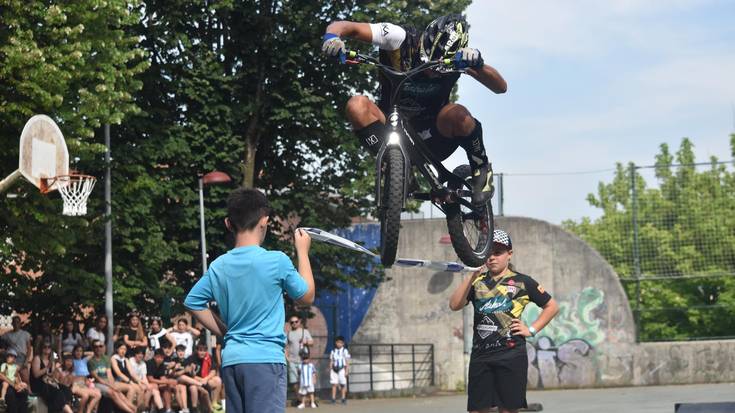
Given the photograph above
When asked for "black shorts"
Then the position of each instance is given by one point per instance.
(500, 381)
(440, 145)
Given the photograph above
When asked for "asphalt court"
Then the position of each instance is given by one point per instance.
(653, 399)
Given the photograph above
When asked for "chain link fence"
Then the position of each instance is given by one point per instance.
(669, 231)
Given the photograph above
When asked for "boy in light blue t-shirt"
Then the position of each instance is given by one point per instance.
(248, 284)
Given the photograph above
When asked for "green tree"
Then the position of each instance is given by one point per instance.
(686, 243)
(242, 87)
(74, 61)
(237, 86)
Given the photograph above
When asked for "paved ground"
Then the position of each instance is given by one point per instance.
(658, 399)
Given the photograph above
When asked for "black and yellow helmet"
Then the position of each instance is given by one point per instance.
(443, 37)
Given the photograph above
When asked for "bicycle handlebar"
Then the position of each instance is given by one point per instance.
(354, 57)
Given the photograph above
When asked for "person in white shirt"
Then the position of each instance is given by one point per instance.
(185, 335)
(339, 361)
(139, 371)
(97, 332)
(307, 378)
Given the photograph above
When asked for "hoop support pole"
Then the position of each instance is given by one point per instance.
(9, 180)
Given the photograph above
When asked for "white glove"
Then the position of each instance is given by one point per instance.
(471, 57)
(333, 46)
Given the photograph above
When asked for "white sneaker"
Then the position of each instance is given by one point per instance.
(313, 405)
(301, 406)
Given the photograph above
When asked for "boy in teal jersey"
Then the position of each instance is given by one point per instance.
(248, 284)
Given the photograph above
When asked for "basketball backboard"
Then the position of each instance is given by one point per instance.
(43, 152)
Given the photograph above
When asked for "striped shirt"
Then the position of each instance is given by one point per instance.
(307, 375)
(339, 357)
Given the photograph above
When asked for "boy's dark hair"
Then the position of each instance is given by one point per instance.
(201, 344)
(245, 207)
(181, 347)
(139, 350)
(159, 352)
(339, 338)
(167, 344)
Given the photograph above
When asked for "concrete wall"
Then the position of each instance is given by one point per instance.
(590, 343)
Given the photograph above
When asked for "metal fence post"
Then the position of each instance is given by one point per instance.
(370, 360)
(636, 251)
(432, 363)
(500, 194)
(413, 365)
(392, 366)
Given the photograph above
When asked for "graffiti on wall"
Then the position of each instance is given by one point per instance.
(564, 353)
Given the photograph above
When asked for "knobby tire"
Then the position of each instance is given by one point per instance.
(472, 255)
(393, 197)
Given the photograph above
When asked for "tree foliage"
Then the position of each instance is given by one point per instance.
(75, 62)
(235, 86)
(686, 239)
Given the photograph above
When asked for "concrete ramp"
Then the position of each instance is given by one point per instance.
(589, 343)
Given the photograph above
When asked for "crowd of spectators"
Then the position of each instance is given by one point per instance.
(151, 369)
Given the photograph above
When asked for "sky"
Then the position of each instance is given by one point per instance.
(595, 82)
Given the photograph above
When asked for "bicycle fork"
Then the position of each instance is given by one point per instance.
(394, 138)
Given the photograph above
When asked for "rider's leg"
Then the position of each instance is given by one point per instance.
(456, 122)
(367, 120)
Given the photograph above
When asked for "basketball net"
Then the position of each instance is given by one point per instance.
(74, 190)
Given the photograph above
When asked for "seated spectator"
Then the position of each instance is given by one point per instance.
(20, 340)
(69, 338)
(205, 378)
(44, 381)
(133, 334)
(180, 371)
(139, 372)
(185, 335)
(45, 334)
(88, 397)
(124, 381)
(97, 332)
(158, 335)
(80, 359)
(15, 390)
(101, 372)
(158, 374)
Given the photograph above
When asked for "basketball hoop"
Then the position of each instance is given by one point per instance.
(74, 189)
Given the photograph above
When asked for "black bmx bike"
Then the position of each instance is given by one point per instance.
(401, 154)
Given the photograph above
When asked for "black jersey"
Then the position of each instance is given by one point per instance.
(497, 302)
(425, 94)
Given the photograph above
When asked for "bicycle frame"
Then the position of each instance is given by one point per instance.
(414, 151)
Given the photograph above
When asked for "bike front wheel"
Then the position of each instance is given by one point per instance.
(392, 204)
(471, 231)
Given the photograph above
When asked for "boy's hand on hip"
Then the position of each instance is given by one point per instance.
(302, 240)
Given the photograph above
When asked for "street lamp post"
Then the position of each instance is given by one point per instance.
(214, 177)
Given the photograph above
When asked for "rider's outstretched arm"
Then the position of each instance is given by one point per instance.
(351, 30)
(491, 78)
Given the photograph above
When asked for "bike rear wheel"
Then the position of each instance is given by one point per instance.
(471, 232)
(392, 205)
